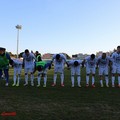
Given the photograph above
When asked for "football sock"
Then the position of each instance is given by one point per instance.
(45, 79)
(101, 82)
(118, 80)
(32, 78)
(113, 80)
(79, 80)
(26, 79)
(39, 79)
(87, 79)
(62, 78)
(72, 79)
(14, 79)
(93, 80)
(106, 79)
(55, 77)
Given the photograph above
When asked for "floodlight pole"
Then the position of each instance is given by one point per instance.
(18, 27)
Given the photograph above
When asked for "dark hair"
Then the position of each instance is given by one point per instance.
(118, 47)
(104, 55)
(92, 56)
(76, 63)
(1, 48)
(58, 56)
(37, 52)
(26, 51)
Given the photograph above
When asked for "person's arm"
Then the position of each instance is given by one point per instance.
(70, 63)
(67, 64)
(23, 64)
(53, 59)
(83, 62)
(9, 58)
(34, 69)
(23, 56)
(110, 63)
(97, 63)
(33, 56)
(14, 63)
(48, 65)
(65, 60)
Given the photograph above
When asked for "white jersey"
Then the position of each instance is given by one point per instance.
(17, 63)
(29, 60)
(59, 62)
(104, 62)
(116, 59)
(90, 63)
(75, 69)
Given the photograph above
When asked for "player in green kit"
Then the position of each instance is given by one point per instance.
(5, 60)
(42, 68)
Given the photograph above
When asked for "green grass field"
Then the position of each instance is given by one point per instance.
(59, 103)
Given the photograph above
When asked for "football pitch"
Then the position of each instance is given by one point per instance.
(59, 103)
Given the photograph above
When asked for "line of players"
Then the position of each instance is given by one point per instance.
(32, 63)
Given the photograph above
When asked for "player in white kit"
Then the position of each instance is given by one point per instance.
(28, 62)
(59, 60)
(116, 66)
(17, 65)
(90, 63)
(103, 64)
(75, 66)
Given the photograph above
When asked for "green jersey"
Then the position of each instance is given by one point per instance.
(41, 63)
(4, 61)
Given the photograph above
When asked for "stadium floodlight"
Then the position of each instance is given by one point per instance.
(18, 27)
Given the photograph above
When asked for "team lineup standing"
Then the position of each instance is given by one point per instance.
(32, 63)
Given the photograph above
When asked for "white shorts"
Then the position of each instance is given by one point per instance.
(115, 69)
(59, 69)
(90, 70)
(17, 70)
(29, 69)
(75, 70)
(103, 70)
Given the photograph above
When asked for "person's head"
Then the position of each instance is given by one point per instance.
(118, 49)
(36, 52)
(32, 51)
(57, 56)
(2, 50)
(92, 56)
(103, 55)
(76, 63)
(27, 52)
(39, 68)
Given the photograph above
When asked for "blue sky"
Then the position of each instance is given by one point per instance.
(53, 26)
